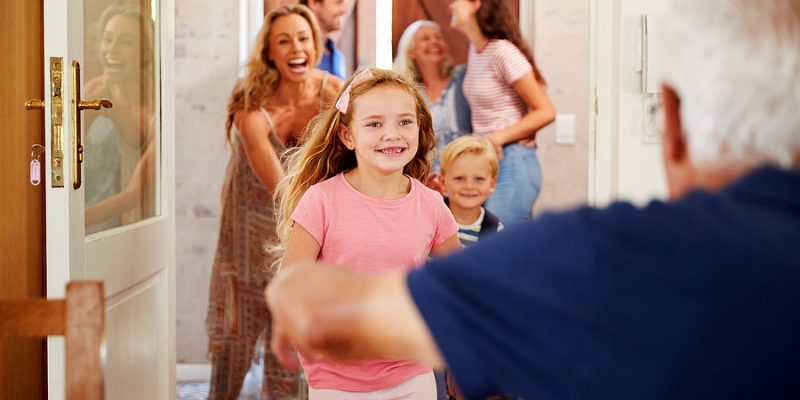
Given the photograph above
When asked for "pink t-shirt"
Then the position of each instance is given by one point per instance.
(487, 86)
(371, 235)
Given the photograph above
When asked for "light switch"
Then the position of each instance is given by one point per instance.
(565, 129)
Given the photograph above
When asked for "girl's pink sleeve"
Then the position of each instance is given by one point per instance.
(310, 213)
(446, 225)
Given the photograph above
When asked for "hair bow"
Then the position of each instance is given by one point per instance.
(344, 100)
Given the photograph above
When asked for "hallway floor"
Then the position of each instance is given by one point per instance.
(192, 390)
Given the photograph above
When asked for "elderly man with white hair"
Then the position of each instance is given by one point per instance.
(697, 297)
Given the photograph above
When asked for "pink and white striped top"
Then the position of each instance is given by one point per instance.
(487, 86)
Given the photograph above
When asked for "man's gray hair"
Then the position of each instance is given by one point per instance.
(736, 66)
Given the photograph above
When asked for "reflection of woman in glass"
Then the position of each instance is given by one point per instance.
(267, 113)
(116, 138)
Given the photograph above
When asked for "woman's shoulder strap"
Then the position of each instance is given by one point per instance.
(265, 113)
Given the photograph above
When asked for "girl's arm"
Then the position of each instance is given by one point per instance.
(255, 132)
(540, 115)
(301, 247)
(448, 246)
(334, 313)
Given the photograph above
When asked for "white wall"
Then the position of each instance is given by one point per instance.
(206, 62)
(560, 38)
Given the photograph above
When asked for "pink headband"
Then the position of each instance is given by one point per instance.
(344, 100)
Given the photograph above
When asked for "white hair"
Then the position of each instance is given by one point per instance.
(735, 64)
(402, 64)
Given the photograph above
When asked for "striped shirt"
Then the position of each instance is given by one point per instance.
(470, 234)
(487, 86)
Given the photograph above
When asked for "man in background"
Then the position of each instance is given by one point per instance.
(329, 15)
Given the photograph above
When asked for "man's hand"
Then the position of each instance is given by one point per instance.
(283, 349)
(334, 313)
(314, 308)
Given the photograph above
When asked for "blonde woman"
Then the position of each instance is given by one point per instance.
(268, 110)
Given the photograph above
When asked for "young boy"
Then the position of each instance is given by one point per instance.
(469, 174)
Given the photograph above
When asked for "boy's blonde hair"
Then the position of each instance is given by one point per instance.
(323, 155)
(469, 144)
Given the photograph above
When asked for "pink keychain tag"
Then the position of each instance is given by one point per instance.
(36, 172)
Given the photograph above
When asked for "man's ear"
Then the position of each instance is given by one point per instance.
(314, 5)
(680, 172)
(344, 136)
(674, 141)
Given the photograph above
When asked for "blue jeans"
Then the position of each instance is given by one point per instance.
(518, 182)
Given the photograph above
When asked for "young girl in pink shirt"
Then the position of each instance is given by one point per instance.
(352, 196)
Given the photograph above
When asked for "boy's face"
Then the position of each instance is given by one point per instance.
(469, 181)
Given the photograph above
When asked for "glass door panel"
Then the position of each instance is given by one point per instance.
(121, 144)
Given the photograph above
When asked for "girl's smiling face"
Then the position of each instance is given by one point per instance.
(120, 48)
(291, 47)
(383, 131)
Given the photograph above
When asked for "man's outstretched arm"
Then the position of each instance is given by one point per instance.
(333, 313)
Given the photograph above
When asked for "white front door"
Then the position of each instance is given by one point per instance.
(110, 177)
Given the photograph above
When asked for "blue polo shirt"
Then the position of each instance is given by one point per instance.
(332, 60)
(694, 299)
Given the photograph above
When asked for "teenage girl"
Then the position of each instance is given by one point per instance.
(352, 196)
(507, 97)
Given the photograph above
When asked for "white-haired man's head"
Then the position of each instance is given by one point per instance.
(735, 67)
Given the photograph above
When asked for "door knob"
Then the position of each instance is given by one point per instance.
(34, 104)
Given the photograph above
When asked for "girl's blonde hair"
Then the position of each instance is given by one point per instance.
(323, 155)
(262, 78)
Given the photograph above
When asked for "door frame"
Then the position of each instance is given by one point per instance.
(604, 127)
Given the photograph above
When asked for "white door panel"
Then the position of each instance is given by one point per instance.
(137, 341)
(132, 251)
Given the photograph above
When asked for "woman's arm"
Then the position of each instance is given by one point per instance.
(334, 313)
(130, 196)
(255, 132)
(302, 247)
(540, 115)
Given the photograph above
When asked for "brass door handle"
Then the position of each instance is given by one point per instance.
(34, 104)
(94, 104)
(79, 105)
